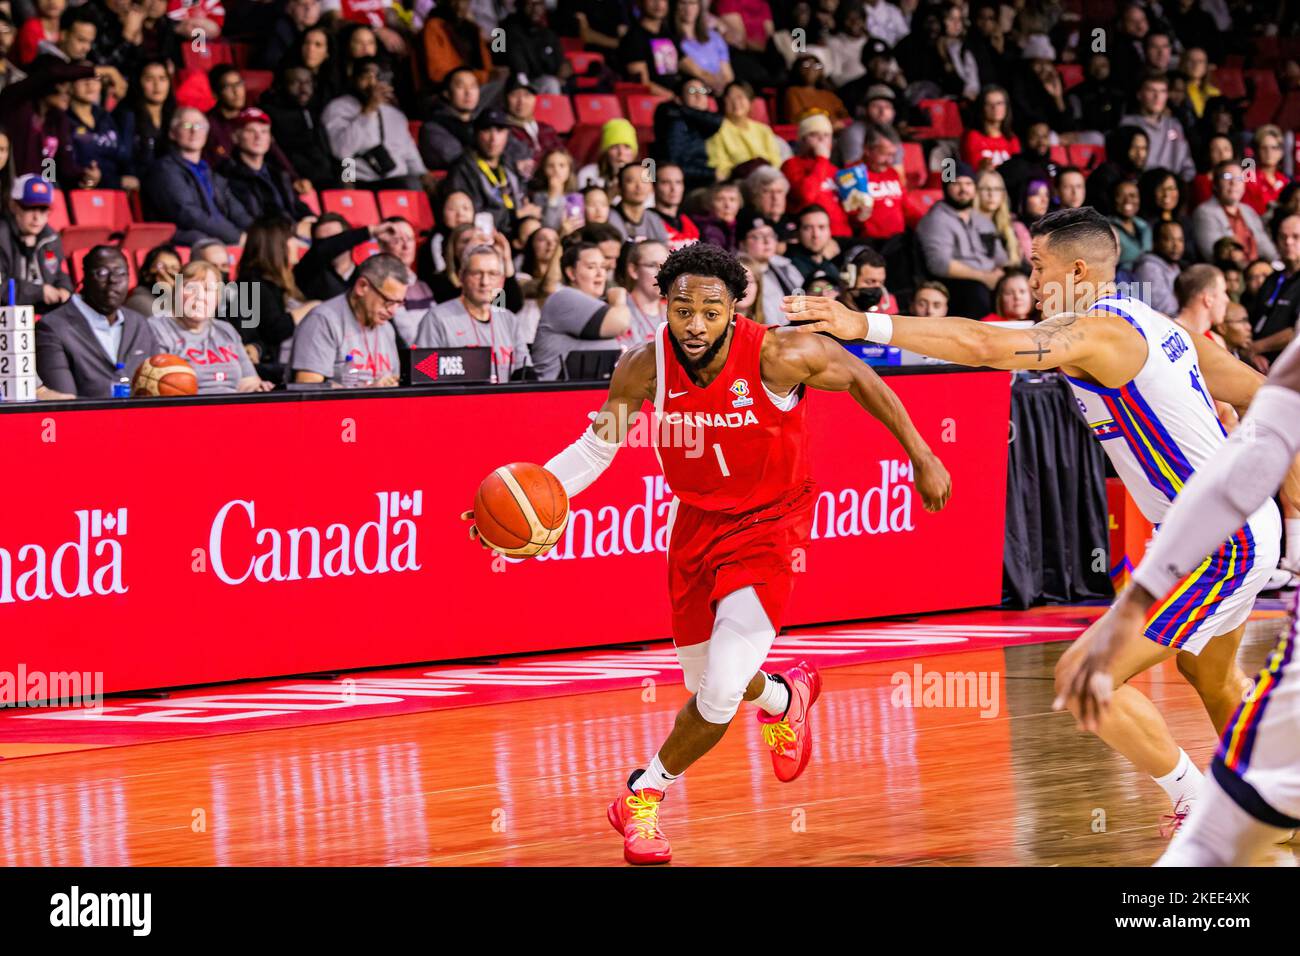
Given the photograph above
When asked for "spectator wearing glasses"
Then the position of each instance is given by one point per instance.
(741, 138)
(1224, 214)
(474, 320)
(211, 345)
(30, 251)
(80, 344)
(182, 188)
(639, 268)
(400, 243)
(350, 337)
(1269, 181)
(683, 126)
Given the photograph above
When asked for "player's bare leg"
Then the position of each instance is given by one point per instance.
(1217, 679)
(1135, 728)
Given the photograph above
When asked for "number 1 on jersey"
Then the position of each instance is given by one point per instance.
(722, 462)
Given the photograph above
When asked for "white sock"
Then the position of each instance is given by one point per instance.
(775, 697)
(1183, 782)
(1292, 541)
(654, 777)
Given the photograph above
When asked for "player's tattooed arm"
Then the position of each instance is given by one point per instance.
(791, 359)
(1099, 344)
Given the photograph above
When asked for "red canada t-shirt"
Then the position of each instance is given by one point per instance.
(812, 181)
(209, 9)
(978, 148)
(886, 188)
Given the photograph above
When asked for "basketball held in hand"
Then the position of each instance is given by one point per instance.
(164, 375)
(521, 509)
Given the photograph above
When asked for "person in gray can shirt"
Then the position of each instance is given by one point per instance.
(472, 320)
(356, 325)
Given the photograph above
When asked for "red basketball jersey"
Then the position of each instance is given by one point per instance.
(728, 447)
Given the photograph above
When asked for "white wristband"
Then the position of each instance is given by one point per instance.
(880, 328)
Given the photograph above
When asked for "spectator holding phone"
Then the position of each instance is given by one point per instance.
(371, 135)
(555, 189)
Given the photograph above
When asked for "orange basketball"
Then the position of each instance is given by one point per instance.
(521, 509)
(163, 375)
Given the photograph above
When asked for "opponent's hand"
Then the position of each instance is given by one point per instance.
(933, 482)
(1086, 685)
(473, 530)
(818, 314)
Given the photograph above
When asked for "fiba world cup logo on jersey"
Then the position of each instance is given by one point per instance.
(740, 388)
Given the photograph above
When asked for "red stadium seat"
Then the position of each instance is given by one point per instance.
(364, 251)
(185, 254)
(917, 202)
(83, 237)
(571, 44)
(1087, 156)
(58, 211)
(1265, 97)
(143, 236)
(596, 109)
(1288, 114)
(582, 59)
(311, 200)
(758, 111)
(357, 206)
(945, 120)
(1060, 155)
(256, 82)
(410, 204)
(101, 207)
(1071, 75)
(241, 54)
(555, 108)
(137, 208)
(787, 131)
(641, 108)
(414, 127)
(1230, 81)
(914, 168)
(623, 90)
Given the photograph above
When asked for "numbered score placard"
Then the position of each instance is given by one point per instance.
(17, 354)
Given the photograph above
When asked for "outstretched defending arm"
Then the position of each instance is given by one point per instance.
(821, 363)
(1217, 501)
(1104, 346)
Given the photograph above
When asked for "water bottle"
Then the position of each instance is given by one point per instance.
(354, 376)
(122, 387)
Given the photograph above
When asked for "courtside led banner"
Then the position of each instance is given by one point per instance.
(193, 543)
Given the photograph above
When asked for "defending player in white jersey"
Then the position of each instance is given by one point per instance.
(1252, 799)
(1148, 389)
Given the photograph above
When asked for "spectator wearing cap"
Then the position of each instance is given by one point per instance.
(210, 344)
(350, 337)
(812, 174)
(809, 92)
(80, 344)
(489, 181)
(670, 189)
(1037, 93)
(533, 49)
(631, 215)
(530, 138)
(582, 314)
(296, 127)
(878, 108)
(474, 320)
(448, 131)
(96, 143)
(1166, 139)
(182, 188)
(618, 147)
(774, 275)
(1158, 269)
(959, 245)
(816, 250)
(647, 52)
(741, 138)
(367, 132)
(256, 178)
(30, 251)
(1224, 214)
(683, 126)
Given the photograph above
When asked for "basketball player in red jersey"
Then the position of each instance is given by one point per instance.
(744, 503)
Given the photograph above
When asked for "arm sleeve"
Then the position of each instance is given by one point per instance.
(582, 462)
(1223, 494)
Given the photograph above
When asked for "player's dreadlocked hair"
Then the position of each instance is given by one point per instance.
(704, 259)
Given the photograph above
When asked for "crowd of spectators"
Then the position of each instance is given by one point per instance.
(240, 123)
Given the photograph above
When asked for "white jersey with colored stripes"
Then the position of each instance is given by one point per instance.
(1162, 426)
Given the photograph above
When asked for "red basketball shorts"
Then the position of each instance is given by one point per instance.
(711, 554)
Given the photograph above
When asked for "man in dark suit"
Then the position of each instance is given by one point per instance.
(80, 344)
(182, 188)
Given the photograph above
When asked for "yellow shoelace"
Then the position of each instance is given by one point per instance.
(645, 814)
(778, 735)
